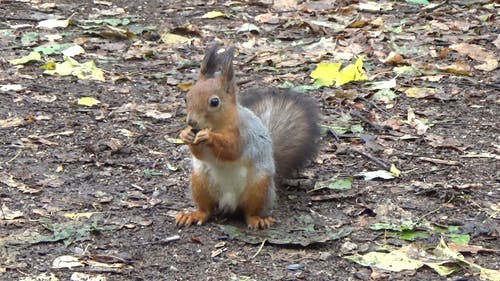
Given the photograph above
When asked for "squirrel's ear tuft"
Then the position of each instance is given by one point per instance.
(227, 72)
(210, 62)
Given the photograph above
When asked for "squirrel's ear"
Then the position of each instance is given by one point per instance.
(227, 72)
(209, 63)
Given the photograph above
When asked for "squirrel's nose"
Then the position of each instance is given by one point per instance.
(192, 122)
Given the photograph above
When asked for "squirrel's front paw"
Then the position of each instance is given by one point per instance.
(187, 219)
(187, 135)
(202, 136)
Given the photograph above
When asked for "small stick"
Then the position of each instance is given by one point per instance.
(380, 162)
(260, 248)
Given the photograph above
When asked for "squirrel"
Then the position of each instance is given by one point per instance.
(241, 143)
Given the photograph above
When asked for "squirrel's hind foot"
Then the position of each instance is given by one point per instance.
(187, 219)
(256, 222)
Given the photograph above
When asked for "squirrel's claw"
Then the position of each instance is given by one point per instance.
(187, 135)
(256, 222)
(202, 136)
(187, 219)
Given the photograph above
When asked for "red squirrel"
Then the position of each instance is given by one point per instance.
(241, 142)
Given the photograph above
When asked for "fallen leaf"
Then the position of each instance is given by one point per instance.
(9, 181)
(375, 6)
(11, 87)
(416, 123)
(478, 53)
(73, 51)
(379, 174)
(457, 68)
(170, 39)
(248, 27)
(419, 93)
(12, 122)
(284, 4)
(7, 214)
(67, 262)
(213, 14)
(334, 183)
(185, 86)
(88, 101)
(86, 70)
(327, 73)
(268, 18)
(53, 23)
(33, 56)
(77, 216)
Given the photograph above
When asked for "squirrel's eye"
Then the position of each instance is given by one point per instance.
(214, 101)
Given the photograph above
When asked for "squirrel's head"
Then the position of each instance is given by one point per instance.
(211, 101)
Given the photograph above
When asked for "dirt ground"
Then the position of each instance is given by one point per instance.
(100, 185)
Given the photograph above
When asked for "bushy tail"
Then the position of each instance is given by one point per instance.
(292, 120)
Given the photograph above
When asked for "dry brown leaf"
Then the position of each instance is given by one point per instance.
(478, 53)
(497, 42)
(473, 249)
(11, 122)
(441, 142)
(268, 18)
(394, 58)
(457, 68)
(9, 181)
(285, 4)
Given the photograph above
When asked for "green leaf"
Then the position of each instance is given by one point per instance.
(412, 235)
(459, 238)
(151, 173)
(51, 49)
(33, 56)
(334, 183)
(419, 2)
(29, 38)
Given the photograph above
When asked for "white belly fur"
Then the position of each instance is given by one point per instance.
(228, 179)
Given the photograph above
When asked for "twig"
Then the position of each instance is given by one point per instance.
(260, 248)
(364, 119)
(380, 162)
(439, 161)
(374, 105)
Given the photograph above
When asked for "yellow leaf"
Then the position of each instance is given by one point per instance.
(213, 14)
(77, 216)
(59, 168)
(88, 101)
(395, 171)
(33, 56)
(175, 140)
(185, 86)
(352, 72)
(325, 73)
(170, 38)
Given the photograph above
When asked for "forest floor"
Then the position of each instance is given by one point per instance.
(405, 187)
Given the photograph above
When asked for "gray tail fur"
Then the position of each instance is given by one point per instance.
(292, 120)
